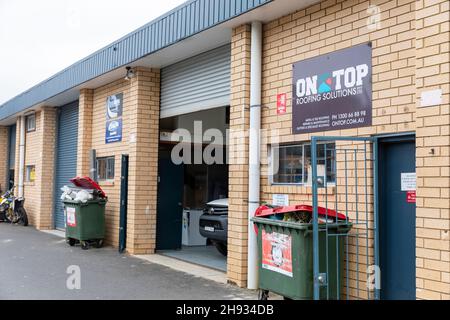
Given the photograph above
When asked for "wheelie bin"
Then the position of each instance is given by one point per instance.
(286, 252)
(85, 221)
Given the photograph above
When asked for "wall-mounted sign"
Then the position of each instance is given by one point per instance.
(333, 91)
(113, 131)
(431, 98)
(411, 196)
(408, 181)
(281, 103)
(280, 199)
(114, 107)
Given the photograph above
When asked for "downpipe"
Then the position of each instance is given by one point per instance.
(21, 157)
(254, 151)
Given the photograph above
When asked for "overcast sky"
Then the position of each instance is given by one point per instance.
(40, 38)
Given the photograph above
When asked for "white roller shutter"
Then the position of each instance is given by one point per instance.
(198, 83)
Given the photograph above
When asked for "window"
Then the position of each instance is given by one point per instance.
(30, 173)
(105, 168)
(31, 122)
(291, 164)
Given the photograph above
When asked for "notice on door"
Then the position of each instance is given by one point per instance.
(71, 220)
(277, 252)
(408, 181)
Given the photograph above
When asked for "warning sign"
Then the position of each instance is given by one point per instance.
(71, 220)
(411, 196)
(281, 103)
(277, 252)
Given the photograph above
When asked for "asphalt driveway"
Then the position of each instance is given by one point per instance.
(37, 265)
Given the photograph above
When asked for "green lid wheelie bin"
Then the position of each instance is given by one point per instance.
(285, 259)
(85, 221)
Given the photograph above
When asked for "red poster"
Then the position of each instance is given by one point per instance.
(277, 252)
(411, 196)
(281, 103)
(71, 217)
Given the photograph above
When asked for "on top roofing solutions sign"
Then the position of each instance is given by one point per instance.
(333, 91)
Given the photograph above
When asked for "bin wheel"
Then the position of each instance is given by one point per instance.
(71, 242)
(84, 245)
(263, 294)
(99, 243)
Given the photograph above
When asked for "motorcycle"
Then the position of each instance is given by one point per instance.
(12, 209)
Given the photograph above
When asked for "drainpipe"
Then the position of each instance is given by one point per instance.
(254, 151)
(21, 156)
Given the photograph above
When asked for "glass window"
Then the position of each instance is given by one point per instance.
(31, 122)
(105, 168)
(30, 173)
(291, 164)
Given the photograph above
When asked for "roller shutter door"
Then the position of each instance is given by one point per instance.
(66, 156)
(198, 83)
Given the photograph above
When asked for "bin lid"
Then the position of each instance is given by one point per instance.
(263, 212)
(88, 183)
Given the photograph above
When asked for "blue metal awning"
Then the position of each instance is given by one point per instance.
(182, 22)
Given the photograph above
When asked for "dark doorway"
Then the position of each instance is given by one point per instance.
(170, 207)
(397, 219)
(123, 204)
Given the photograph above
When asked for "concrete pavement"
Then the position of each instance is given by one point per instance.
(34, 265)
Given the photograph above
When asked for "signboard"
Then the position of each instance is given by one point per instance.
(411, 196)
(280, 199)
(70, 214)
(281, 103)
(113, 131)
(408, 181)
(333, 91)
(277, 252)
(114, 107)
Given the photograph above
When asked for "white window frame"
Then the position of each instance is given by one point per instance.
(31, 119)
(107, 160)
(271, 163)
(28, 170)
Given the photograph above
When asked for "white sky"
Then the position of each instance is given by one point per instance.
(40, 38)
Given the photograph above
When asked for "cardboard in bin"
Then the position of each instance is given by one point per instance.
(266, 211)
(88, 183)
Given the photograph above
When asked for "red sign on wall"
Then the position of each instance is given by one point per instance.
(281, 103)
(411, 196)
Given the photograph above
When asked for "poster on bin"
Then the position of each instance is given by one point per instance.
(277, 252)
(71, 217)
(333, 91)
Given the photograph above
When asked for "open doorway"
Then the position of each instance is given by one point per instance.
(193, 190)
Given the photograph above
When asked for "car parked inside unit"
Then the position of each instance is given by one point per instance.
(214, 224)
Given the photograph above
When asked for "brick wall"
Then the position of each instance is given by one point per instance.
(401, 53)
(85, 114)
(93, 126)
(140, 136)
(432, 152)
(4, 158)
(40, 152)
(143, 162)
(238, 149)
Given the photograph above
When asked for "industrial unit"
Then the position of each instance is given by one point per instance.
(267, 76)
